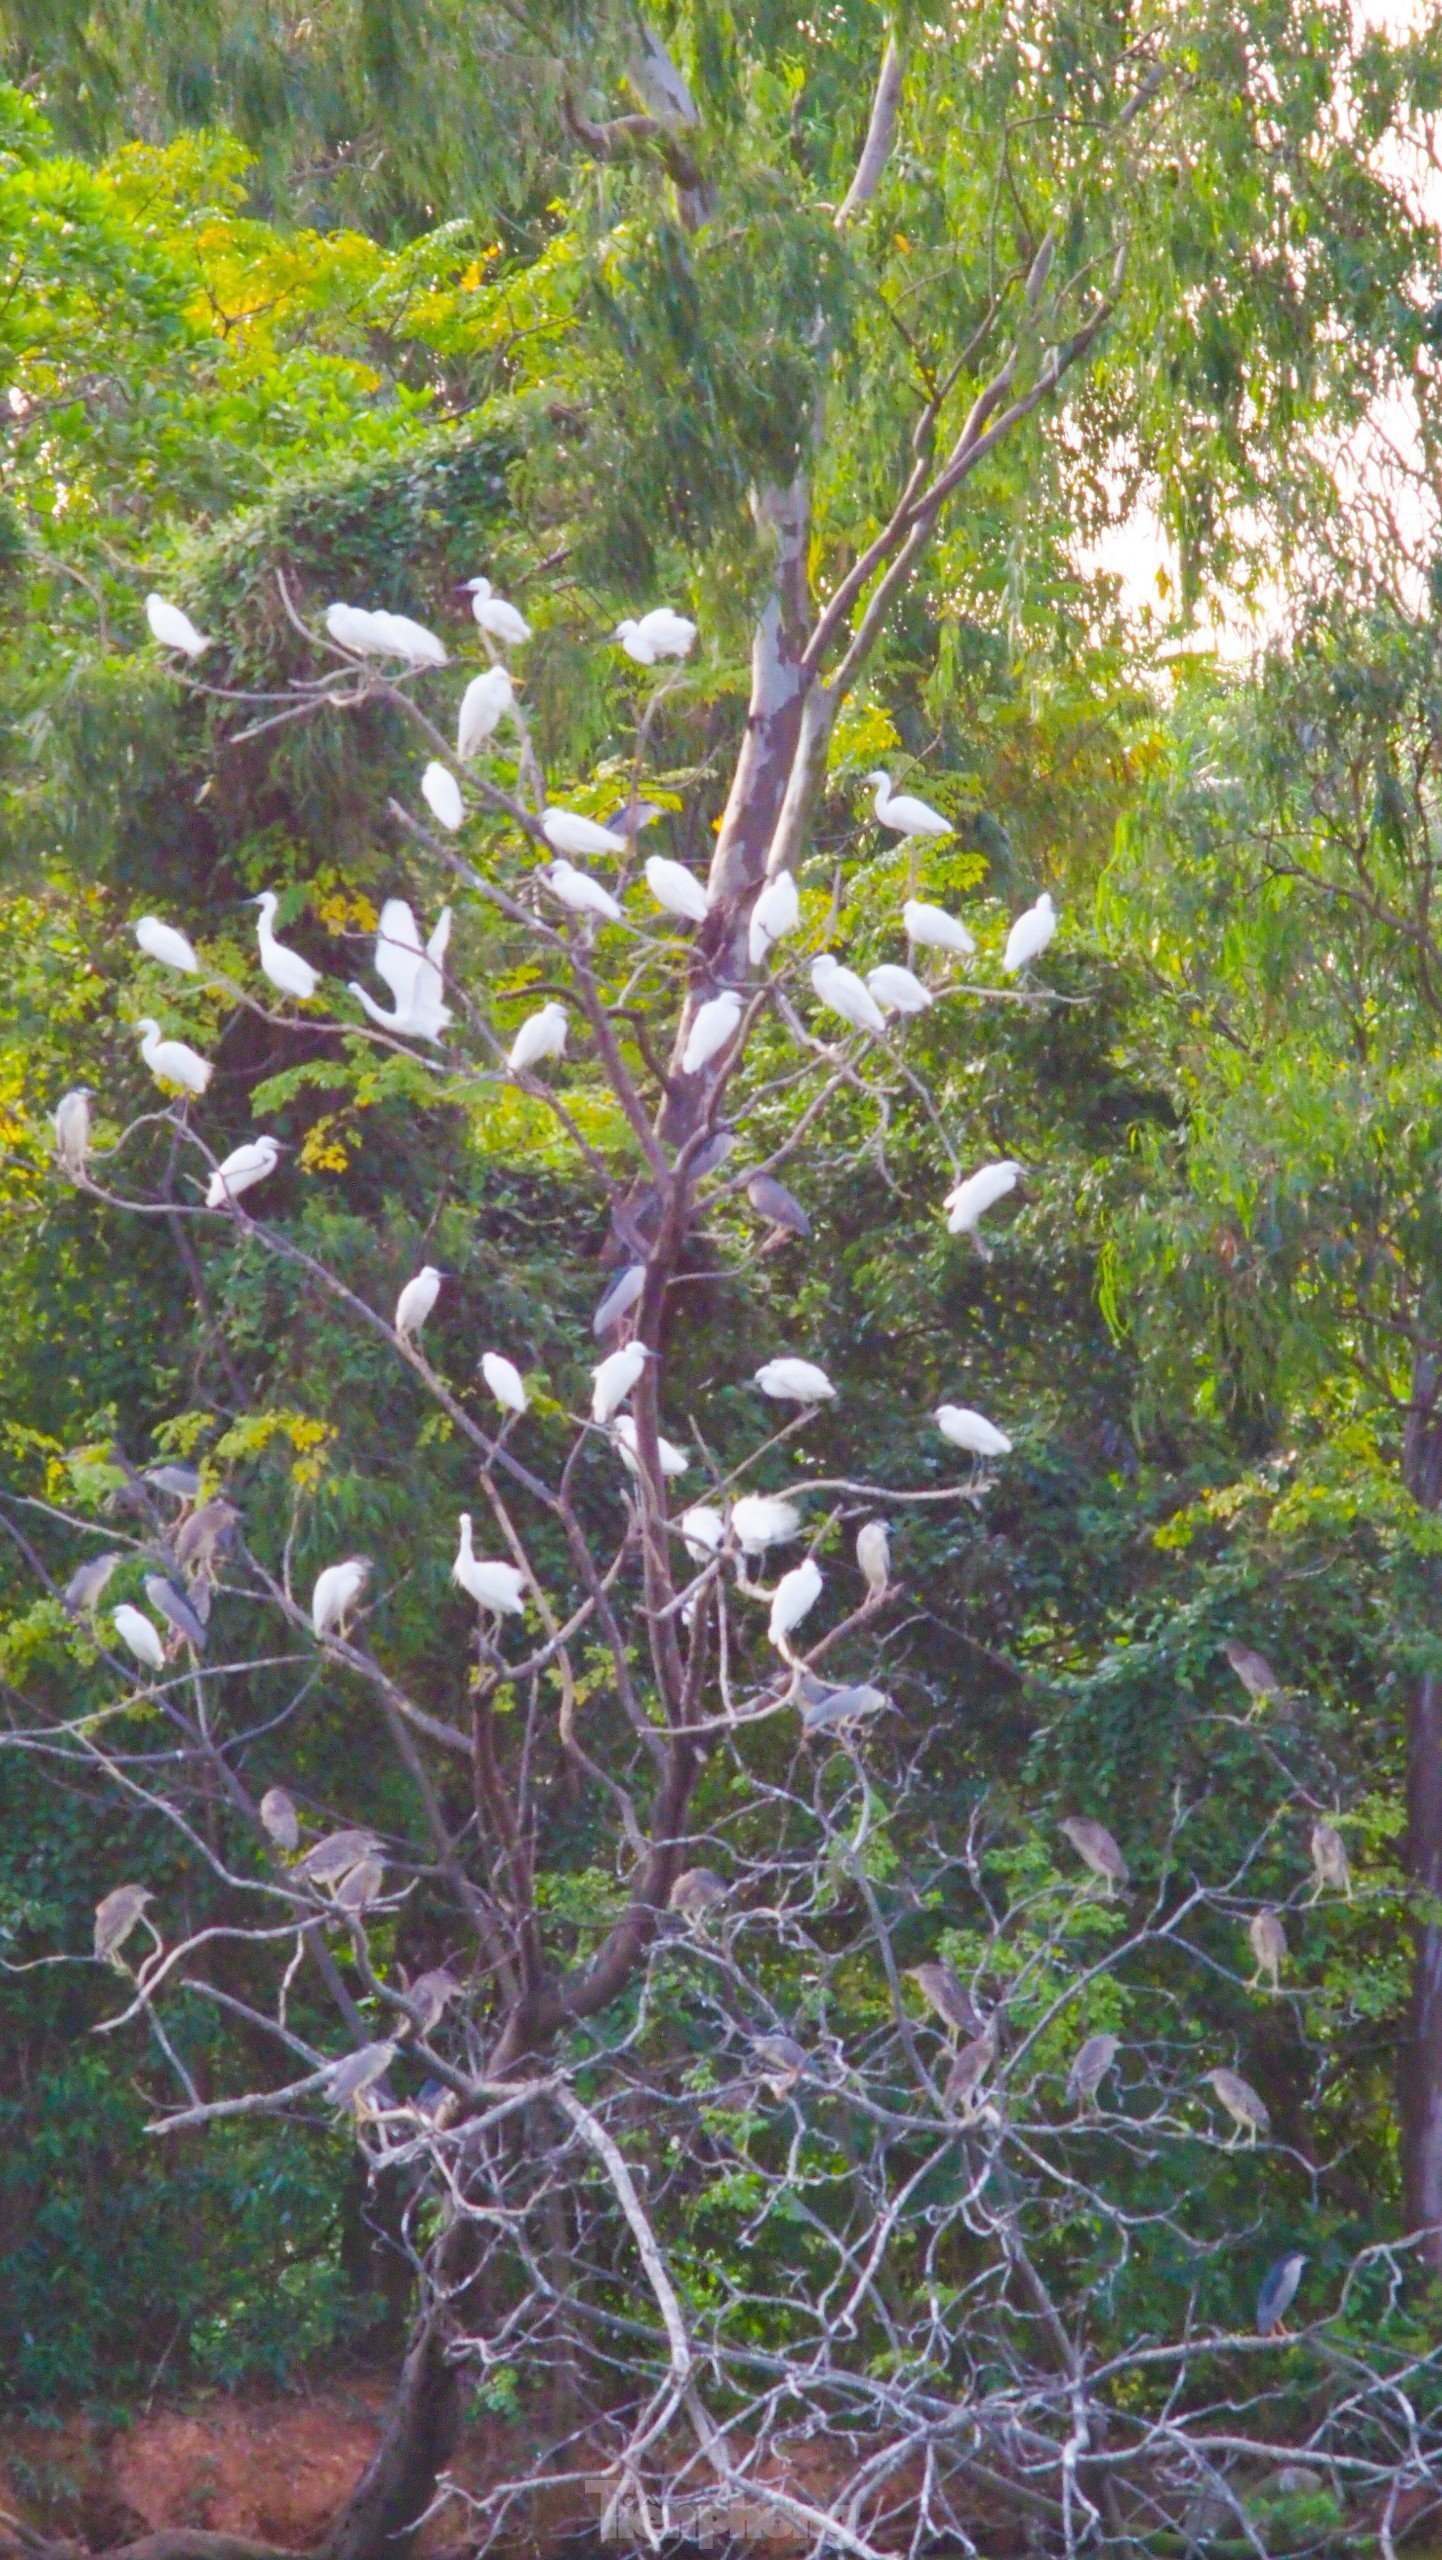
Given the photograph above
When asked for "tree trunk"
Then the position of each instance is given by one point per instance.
(1420, 2061)
(399, 2481)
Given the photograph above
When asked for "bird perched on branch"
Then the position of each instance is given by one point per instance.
(969, 1430)
(794, 1381)
(115, 1917)
(703, 1530)
(488, 700)
(1096, 1849)
(241, 1170)
(846, 995)
(771, 1199)
(432, 1993)
(776, 913)
(284, 968)
(873, 1554)
(903, 813)
(173, 1061)
(657, 634)
(674, 1459)
(971, 2067)
(935, 928)
(205, 1535)
(1093, 2061)
(354, 2077)
(1277, 2293)
(166, 943)
(796, 1594)
(70, 1121)
(86, 1586)
(696, 1893)
(279, 1818)
(570, 833)
(174, 629)
(613, 1378)
(1269, 1945)
(1253, 1670)
(501, 1588)
(1330, 1863)
(620, 1297)
(782, 2063)
(336, 1592)
(897, 990)
(442, 795)
(173, 1476)
(944, 1991)
(416, 1303)
(186, 1616)
(1029, 935)
(968, 1202)
(139, 1637)
(498, 619)
(333, 1857)
(675, 889)
(505, 1382)
(762, 1520)
(414, 972)
(832, 1710)
(1248, 2111)
(712, 1030)
(541, 1035)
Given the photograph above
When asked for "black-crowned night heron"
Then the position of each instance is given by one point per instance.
(1093, 2061)
(944, 1991)
(963, 2081)
(86, 1585)
(1247, 2110)
(1278, 2288)
(279, 1816)
(1269, 1946)
(182, 1614)
(115, 1917)
(1096, 1849)
(781, 1208)
(695, 1893)
(1330, 1864)
(1253, 1670)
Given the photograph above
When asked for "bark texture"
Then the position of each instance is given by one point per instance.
(398, 2484)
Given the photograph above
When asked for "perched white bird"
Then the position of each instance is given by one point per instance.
(713, 1028)
(932, 925)
(794, 1381)
(614, 1377)
(569, 832)
(498, 619)
(658, 634)
(173, 1061)
(843, 993)
(971, 1431)
(968, 1204)
(284, 967)
(702, 1529)
(487, 700)
(776, 913)
(795, 1593)
(336, 1592)
(417, 1300)
(399, 637)
(904, 815)
(241, 1170)
(500, 1588)
(873, 1554)
(70, 1121)
(583, 895)
(414, 974)
(505, 1382)
(896, 990)
(762, 1520)
(674, 1459)
(172, 628)
(165, 942)
(541, 1035)
(442, 795)
(355, 630)
(133, 1626)
(675, 888)
(1030, 935)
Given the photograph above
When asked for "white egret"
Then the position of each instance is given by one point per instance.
(969, 1202)
(897, 990)
(416, 1303)
(843, 993)
(284, 967)
(619, 1299)
(399, 637)
(794, 1381)
(279, 1818)
(70, 1121)
(442, 795)
(614, 1377)
(658, 634)
(971, 1431)
(173, 1061)
(336, 1592)
(354, 630)
(414, 974)
(568, 832)
(674, 1459)
(136, 1631)
(576, 890)
(712, 1030)
(485, 704)
(933, 926)
(116, 1915)
(903, 814)
(501, 1588)
(762, 1520)
(166, 943)
(702, 1529)
(498, 619)
(505, 1382)
(776, 913)
(873, 1554)
(174, 629)
(241, 1170)
(541, 1035)
(1029, 935)
(797, 1592)
(675, 888)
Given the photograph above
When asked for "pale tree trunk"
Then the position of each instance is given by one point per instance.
(1420, 2062)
